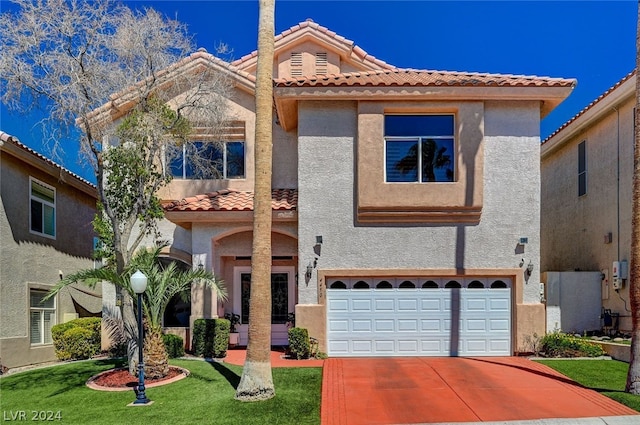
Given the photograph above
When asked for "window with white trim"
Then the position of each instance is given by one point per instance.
(582, 168)
(42, 212)
(419, 148)
(42, 316)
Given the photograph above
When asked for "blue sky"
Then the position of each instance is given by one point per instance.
(592, 41)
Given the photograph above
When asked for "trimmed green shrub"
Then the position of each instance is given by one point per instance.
(559, 344)
(299, 343)
(221, 338)
(174, 345)
(211, 337)
(77, 339)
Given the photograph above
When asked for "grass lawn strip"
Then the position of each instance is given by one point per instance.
(608, 377)
(205, 396)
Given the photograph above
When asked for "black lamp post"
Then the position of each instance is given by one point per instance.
(139, 285)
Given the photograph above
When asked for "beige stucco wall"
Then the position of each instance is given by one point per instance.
(331, 152)
(573, 228)
(31, 261)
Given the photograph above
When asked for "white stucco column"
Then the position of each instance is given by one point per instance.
(197, 291)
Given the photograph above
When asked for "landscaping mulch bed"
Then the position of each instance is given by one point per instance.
(122, 379)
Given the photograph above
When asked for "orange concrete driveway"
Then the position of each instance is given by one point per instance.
(376, 391)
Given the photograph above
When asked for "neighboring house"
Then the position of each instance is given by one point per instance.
(406, 203)
(45, 223)
(587, 171)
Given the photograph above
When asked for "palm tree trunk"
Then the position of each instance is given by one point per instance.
(156, 360)
(633, 376)
(256, 382)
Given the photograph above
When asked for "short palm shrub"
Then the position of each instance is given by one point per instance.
(77, 339)
(174, 345)
(559, 344)
(211, 337)
(299, 343)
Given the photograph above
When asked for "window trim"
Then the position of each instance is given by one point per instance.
(419, 139)
(459, 201)
(42, 310)
(44, 202)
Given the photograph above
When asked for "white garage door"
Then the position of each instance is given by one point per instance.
(419, 317)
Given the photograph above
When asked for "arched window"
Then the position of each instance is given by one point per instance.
(338, 284)
(384, 285)
(429, 284)
(476, 284)
(498, 284)
(453, 284)
(361, 284)
(407, 284)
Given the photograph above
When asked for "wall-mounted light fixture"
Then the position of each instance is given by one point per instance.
(529, 270)
(317, 248)
(310, 267)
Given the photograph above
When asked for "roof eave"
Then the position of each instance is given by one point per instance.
(585, 118)
(287, 98)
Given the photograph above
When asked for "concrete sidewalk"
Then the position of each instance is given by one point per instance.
(438, 390)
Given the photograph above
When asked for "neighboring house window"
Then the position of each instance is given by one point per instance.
(582, 168)
(419, 148)
(42, 317)
(296, 64)
(321, 63)
(210, 160)
(42, 213)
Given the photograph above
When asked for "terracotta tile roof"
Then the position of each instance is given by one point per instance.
(592, 104)
(415, 77)
(309, 24)
(8, 138)
(231, 200)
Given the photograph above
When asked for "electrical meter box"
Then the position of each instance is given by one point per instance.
(618, 273)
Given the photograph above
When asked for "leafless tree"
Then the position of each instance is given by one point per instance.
(90, 64)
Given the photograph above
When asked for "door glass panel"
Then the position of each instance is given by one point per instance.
(279, 297)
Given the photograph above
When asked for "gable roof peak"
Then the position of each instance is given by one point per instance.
(323, 34)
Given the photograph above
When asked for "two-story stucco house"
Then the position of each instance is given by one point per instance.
(406, 203)
(587, 173)
(45, 223)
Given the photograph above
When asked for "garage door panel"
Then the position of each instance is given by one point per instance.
(499, 325)
(360, 305)
(361, 325)
(431, 304)
(431, 325)
(384, 325)
(475, 325)
(408, 346)
(338, 325)
(384, 305)
(408, 305)
(393, 322)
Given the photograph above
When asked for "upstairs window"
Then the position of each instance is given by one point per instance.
(582, 168)
(42, 212)
(210, 160)
(419, 148)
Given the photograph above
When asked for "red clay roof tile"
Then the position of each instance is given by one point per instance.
(231, 200)
(414, 77)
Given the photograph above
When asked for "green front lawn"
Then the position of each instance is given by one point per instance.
(605, 376)
(205, 396)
